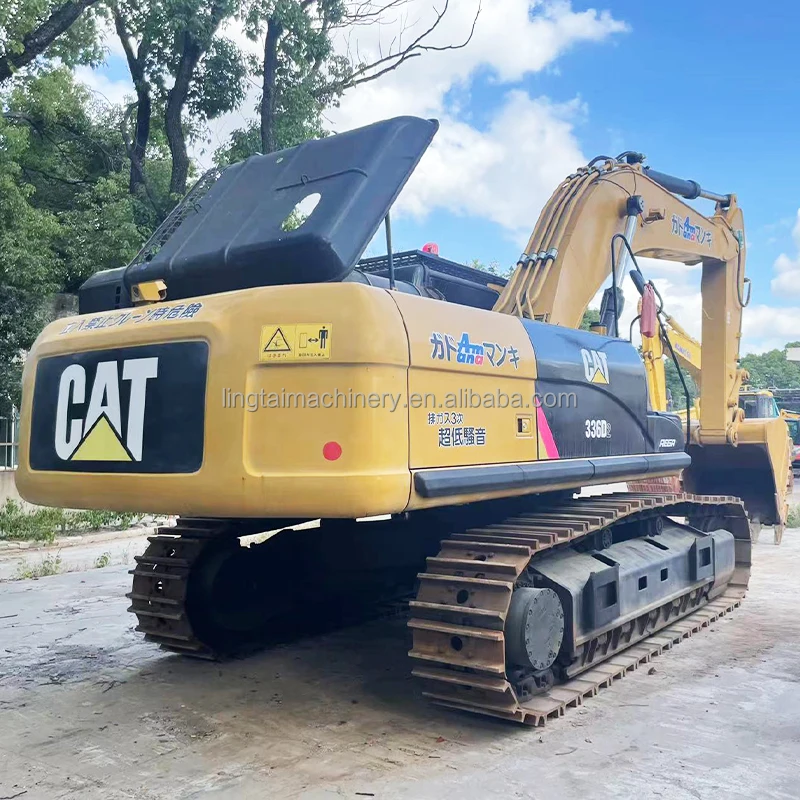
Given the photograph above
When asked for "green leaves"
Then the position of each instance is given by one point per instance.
(219, 82)
(65, 209)
(771, 369)
(33, 32)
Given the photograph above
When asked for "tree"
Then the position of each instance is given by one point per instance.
(208, 73)
(65, 208)
(182, 68)
(75, 165)
(591, 316)
(771, 369)
(493, 267)
(27, 263)
(136, 31)
(31, 28)
(301, 72)
(675, 387)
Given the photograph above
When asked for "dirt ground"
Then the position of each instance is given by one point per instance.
(89, 710)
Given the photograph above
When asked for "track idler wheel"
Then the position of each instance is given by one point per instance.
(534, 632)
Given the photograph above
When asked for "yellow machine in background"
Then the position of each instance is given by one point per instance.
(756, 405)
(688, 353)
(248, 378)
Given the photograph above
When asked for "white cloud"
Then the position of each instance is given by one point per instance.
(503, 170)
(679, 286)
(505, 165)
(767, 327)
(112, 92)
(787, 280)
(512, 38)
(108, 34)
(506, 169)
(505, 173)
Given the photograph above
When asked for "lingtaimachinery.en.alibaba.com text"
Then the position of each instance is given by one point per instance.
(350, 399)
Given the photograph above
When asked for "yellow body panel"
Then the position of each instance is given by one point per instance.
(460, 395)
(254, 461)
(389, 383)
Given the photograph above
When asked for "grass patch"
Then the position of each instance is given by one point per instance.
(102, 560)
(50, 565)
(793, 517)
(44, 524)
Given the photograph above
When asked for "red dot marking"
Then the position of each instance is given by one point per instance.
(332, 451)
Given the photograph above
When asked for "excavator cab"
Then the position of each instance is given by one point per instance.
(758, 404)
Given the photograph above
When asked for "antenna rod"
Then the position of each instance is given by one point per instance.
(388, 222)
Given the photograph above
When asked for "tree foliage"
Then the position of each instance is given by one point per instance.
(27, 263)
(675, 387)
(591, 316)
(65, 208)
(51, 28)
(493, 267)
(772, 369)
(301, 71)
(84, 183)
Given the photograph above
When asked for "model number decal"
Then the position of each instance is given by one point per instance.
(598, 429)
(667, 443)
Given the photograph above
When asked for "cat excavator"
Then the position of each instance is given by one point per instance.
(246, 375)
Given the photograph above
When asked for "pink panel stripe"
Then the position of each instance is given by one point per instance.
(546, 434)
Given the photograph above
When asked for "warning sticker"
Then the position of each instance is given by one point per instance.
(297, 342)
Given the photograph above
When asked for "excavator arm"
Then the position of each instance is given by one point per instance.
(594, 226)
(687, 352)
(577, 241)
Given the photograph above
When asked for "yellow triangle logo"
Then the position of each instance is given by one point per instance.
(101, 443)
(277, 343)
(598, 377)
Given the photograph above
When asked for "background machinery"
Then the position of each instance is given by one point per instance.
(755, 405)
(247, 377)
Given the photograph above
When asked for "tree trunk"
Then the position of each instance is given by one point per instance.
(38, 40)
(191, 52)
(274, 31)
(176, 100)
(144, 106)
(141, 137)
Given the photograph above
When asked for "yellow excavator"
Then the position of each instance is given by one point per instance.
(688, 354)
(247, 377)
(755, 404)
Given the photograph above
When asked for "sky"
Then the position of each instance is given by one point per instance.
(707, 92)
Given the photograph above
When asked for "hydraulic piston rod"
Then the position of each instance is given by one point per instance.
(691, 190)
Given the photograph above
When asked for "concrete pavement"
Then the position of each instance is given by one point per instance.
(88, 710)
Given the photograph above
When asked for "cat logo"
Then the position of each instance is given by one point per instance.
(101, 434)
(137, 410)
(595, 366)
